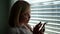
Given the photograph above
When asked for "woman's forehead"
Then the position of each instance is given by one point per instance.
(27, 10)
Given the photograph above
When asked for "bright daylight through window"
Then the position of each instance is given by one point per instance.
(46, 10)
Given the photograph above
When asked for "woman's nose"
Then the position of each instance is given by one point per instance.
(27, 17)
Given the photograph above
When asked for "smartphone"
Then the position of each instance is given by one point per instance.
(42, 26)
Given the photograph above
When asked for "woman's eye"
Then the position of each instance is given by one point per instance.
(26, 15)
(29, 17)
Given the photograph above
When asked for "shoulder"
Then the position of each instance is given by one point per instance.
(12, 30)
(15, 30)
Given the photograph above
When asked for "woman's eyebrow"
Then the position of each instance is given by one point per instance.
(28, 14)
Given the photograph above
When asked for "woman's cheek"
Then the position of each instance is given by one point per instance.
(24, 19)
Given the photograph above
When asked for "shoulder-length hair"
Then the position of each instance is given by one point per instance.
(16, 10)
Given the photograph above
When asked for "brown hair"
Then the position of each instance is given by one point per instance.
(16, 10)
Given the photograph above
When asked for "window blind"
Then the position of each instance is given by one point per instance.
(46, 12)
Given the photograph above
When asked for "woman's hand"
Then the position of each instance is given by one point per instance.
(37, 27)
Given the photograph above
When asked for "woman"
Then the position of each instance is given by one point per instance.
(19, 18)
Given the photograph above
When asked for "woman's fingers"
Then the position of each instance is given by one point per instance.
(42, 28)
(36, 28)
(38, 25)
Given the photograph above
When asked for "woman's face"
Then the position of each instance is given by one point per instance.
(25, 16)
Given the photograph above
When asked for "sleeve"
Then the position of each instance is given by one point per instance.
(15, 31)
(12, 31)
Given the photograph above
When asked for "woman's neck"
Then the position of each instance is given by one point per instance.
(26, 26)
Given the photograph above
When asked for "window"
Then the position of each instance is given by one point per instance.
(51, 14)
